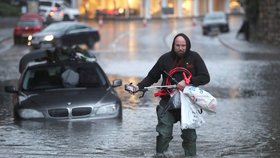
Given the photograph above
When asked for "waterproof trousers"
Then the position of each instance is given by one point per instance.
(164, 128)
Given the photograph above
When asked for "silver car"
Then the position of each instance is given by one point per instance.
(65, 89)
(215, 22)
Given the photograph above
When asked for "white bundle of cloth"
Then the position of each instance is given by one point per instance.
(201, 98)
(193, 99)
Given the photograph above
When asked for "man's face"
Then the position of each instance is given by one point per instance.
(180, 46)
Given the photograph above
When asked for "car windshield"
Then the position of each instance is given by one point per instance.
(57, 27)
(25, 23)
(214, 16)
(66, 4)
(45, 4)
(60, 77)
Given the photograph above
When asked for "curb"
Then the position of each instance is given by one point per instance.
(5, 39)
(243, 46)
(222, 41)
(6, 34)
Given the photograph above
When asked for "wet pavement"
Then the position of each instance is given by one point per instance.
(244, 79)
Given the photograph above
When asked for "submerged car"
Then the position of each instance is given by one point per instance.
(66, 33)
(215, 22)
(63, 88)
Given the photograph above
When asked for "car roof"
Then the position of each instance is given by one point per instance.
(216, 13)
(63, 25)
(214, 16)
(31, 22)
(31, 16)
(69, 23)
(62, 63)
(44, 56)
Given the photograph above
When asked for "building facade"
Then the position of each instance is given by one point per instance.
(264, 21)
(149, 9)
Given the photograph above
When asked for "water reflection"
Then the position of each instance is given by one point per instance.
(246, 124)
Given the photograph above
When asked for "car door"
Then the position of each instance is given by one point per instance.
(84, 34)
(71, 36)
(76, 34)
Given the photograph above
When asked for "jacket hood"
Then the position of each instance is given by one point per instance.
(188, 42)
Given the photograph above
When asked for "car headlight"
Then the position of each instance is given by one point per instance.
(48, 38)
(107, 109)
(29, 37)
(30, 113)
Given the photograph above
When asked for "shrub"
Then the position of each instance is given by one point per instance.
(9, 10)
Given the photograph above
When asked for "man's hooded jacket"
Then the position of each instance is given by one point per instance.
(168, 61)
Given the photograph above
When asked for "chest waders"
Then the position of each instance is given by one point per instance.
(174, 102)
(166, 120)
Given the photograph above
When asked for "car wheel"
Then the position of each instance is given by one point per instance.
(90, 43)
(49, 20)
(204, 33)
(16, 40)
(15, 114)
(227, 30)
(66, 18)
(120, 116)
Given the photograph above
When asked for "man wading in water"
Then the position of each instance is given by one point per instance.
(181, 57)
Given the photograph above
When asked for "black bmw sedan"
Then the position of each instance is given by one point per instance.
(68, 89)
(65, 33)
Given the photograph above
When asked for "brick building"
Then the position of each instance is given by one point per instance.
(264, 18)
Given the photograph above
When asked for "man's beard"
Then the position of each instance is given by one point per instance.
(180, 53)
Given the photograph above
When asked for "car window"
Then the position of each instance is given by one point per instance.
(71, 28)
(214, 16)
(77, 28)
(25, 23)
(57, 5)
(49, 4)
(58, 76)
(42, 78)
(81, 27)
(55, 28)
(66, 4)
(91, 77)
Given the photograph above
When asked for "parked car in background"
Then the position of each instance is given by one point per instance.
(72, 88)
(27, 25)
(51, 11)
(32, 16)
(57, 10)
(215, 22)
(69, 12)
(66, 33)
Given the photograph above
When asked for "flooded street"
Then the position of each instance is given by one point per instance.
(246, 85)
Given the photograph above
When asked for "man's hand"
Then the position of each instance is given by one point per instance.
(132, 89)
(181, 85)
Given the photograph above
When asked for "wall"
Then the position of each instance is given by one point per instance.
(267, 26)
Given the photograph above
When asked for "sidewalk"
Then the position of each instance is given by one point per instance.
(243, 46)
(6, 28)
(5, 34)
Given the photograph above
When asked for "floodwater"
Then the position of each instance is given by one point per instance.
(246, 124)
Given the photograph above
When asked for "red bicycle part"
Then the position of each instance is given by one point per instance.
(167, 91)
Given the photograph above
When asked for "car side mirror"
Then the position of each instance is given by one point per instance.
(11, 89)
(117, 83)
